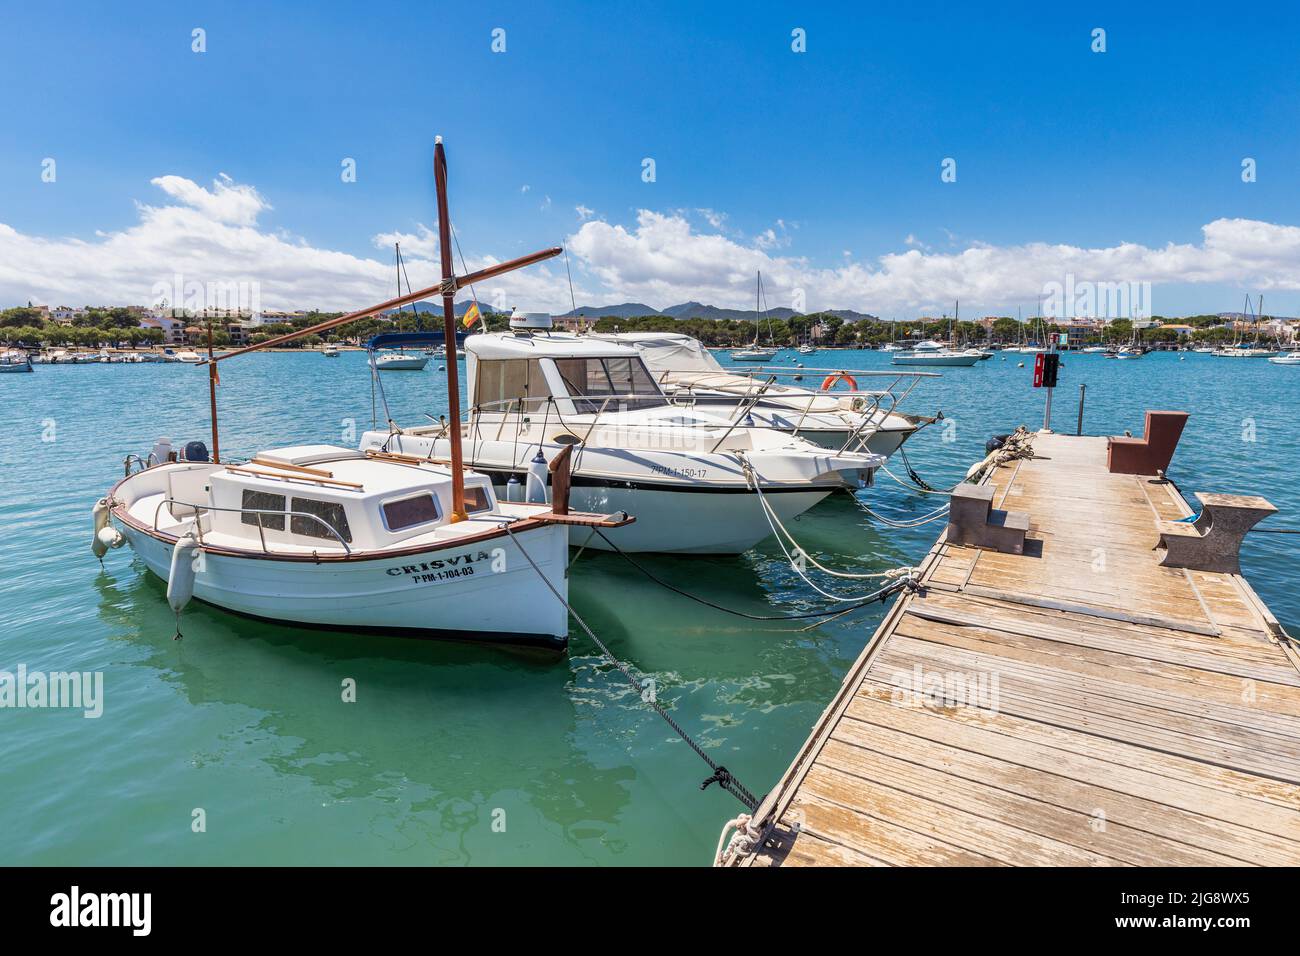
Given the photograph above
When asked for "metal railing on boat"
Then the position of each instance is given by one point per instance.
(595, 409)
(261, 530)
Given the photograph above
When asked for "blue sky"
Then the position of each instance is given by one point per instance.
(813, 160)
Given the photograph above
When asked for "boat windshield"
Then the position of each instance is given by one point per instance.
(597, 377)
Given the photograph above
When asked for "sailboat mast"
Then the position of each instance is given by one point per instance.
(449, 330)
(212, 397)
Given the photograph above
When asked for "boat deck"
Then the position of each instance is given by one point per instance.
(1075, 705)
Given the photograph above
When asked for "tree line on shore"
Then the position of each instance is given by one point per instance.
(119, 327)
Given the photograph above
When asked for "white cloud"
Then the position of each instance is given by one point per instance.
(213, 235)
(713, 217)
(663, 260)
(584, 212)
(225, 202)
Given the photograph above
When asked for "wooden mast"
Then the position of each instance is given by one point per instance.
(449, 332)
(447, 288)
(212, 397)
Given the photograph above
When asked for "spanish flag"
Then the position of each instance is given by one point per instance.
(471, 315)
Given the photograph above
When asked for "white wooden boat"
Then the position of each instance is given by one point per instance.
(1286, 358)
(333, 537)
(328, 536)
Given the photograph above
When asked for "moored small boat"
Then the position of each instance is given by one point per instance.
(15, 360)
(329, 536)
(935, 355)
(399, 362)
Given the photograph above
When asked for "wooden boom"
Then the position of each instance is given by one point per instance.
(457, 282)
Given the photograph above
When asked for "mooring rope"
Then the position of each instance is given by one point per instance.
(721, 775)
(774, 523)
(882, 594)
(904, 524)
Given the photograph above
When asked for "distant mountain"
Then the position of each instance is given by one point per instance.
(698, 310)
(626, 310)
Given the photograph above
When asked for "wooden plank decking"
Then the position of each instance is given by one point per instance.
(1079, 704)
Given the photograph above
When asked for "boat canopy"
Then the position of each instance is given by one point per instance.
(399, 340)
(667, 351)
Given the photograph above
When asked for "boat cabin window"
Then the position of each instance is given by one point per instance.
(499, 380)
(256, 501)
(330, 512)
(408, 512)
(609, 376)
(477, 498)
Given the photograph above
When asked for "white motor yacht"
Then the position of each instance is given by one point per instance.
(687, 475)
(934, 354)
(860, 419)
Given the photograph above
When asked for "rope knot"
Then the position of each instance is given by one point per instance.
(721, 776)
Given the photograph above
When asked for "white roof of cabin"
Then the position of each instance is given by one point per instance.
(503, 345)
(376, 476)
(307, 455)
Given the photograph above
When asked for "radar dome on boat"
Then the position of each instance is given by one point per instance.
(530, 321)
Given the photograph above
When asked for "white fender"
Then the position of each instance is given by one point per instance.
(180, 580)
(100, 514)
(535, 487)
(110, 537)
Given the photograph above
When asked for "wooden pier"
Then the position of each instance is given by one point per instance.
(1077, 705)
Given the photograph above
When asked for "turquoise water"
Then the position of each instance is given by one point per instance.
(246, 721)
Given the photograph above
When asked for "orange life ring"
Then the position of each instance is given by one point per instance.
(829, 381)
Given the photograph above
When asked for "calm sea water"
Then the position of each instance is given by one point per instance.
(245, 720)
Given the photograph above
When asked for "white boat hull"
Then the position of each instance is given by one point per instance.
(474, 591)
(406, 364)
(684, 504)
(673, 522)
(954, 360)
